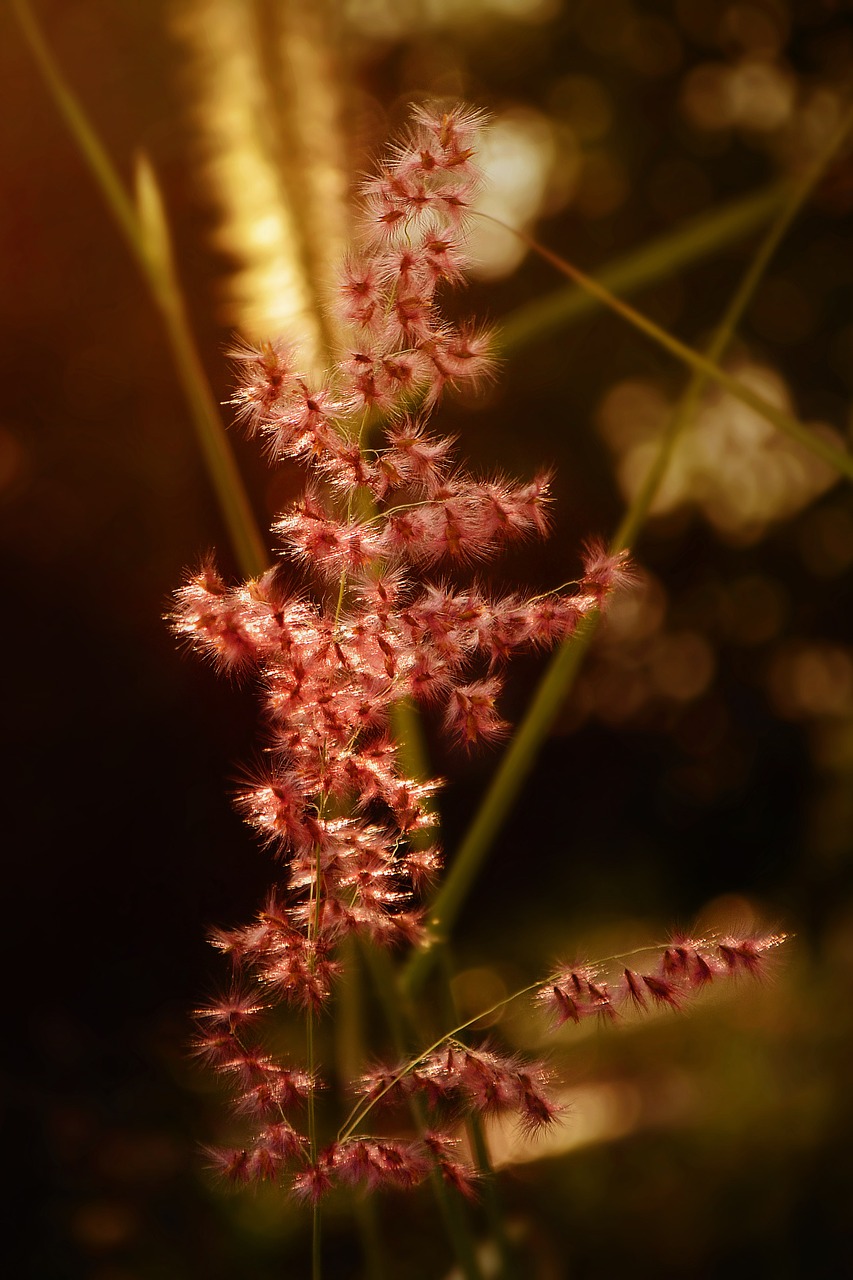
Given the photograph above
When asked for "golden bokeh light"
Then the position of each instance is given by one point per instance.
(599, 1113)
(517, 160)
(583, 103)
(386, 19)
(270, 145)
(753, 95)
(730, 462)
(808, 680)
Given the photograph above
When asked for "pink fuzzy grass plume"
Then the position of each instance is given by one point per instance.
(452, 1079)
(349, 621)
(667, 977)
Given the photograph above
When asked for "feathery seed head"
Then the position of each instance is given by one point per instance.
(333, 798)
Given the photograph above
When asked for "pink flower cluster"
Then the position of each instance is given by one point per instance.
(681, 970)
(385, 501)
(456, 1078)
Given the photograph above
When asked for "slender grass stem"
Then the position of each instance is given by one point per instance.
(370, 1231)
(311, 1064)
(362, 1110)
(452, 1211)
(145, 230)
(701, 364)
(456, 1226)
(348, 1025)
(479, 1144)
(562, 670)
(494, 1211)
(249, 549)
(315, 905)
(654, 261)
(112, 189)
(316, 1242)
(837, 458)
(316, 1252)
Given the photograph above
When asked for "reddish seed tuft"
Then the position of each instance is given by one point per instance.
(230, 1164)
(471, 713)
(264, 378)
(369, 630)
(661, 990)
(313, 1183)
(441, 1149)
(684, 969)
(604, 572)
(747, 955)
(634, 989)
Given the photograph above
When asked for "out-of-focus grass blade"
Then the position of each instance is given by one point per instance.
(145, 229)
(785, 422)
(562, 670)
(700, 238)
(151, 218)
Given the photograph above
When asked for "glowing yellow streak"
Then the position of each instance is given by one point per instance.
(268, 293)
(313, 81)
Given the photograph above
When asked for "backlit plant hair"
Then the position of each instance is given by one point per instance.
(380, 542)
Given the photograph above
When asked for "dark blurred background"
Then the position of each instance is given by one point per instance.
(703, 767)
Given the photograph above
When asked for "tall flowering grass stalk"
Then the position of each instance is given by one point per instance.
(372, 602)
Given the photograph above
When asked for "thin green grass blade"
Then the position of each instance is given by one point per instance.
(146, 232)
(785, 422)
(699, 238)
(562, 671)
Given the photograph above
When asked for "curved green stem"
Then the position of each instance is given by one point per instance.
(452, 1211)
(316, 1251)
(475, 1126)
(656, 260)
(362, 1109)
(563, 668)
(837, 458)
